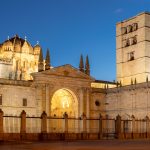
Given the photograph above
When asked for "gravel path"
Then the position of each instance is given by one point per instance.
(79, 145)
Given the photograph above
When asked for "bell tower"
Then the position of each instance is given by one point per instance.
(133, 49)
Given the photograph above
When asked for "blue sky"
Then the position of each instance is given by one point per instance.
(70, 28)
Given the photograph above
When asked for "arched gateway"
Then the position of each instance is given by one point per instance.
(64, 101)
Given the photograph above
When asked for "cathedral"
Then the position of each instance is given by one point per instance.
(28, 81)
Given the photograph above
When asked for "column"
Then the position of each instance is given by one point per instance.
(118, 126)
(44, 122)
(66, 122)
(43, 90)
(133, 126)
(23, 122)
(81, 102)
(47, 99)
(1, 121)
(88, 108)
(84, 123)
(147, 127)
(100, 126)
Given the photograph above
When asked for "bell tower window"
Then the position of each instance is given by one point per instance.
(130, 56)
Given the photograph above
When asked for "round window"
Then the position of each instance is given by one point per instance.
(97, 103)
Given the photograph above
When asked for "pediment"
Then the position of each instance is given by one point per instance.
(65, 71)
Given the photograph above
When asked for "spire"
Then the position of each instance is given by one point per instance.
(135, 81)
(81, 65)
(87, 66)
(131, 81)
(47, 61)
(40, 63)
(120, 83)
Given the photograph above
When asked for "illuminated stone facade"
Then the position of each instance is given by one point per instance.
(132, 49)
(65, 89)
(18, 58)
(132, 95)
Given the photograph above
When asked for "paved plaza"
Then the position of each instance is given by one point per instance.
(79, 145)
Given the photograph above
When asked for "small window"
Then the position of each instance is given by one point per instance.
(131, 56)
(97, 103)
(24, 102)
(0, 99)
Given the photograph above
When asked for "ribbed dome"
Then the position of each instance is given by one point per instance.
(16, 40)
(37, 49)
(8, 43)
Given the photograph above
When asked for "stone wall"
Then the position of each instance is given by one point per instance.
(129, 100)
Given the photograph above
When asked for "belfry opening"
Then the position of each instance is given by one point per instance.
(64, 101)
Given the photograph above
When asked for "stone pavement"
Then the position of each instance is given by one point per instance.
(79, 145)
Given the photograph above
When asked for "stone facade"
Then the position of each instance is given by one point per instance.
(132, 49)
(18, 58)
(128, 101)
(68, 92)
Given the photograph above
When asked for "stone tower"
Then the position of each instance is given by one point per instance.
(133, 49)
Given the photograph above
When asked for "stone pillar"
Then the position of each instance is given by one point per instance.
(81, 101)
(118, 126)
(88, 108)
(23, 122)
(44, 122)
(66, 122)
(1, 121)
(147, 127)
(84, 123)
(47, 99)
(133, 126)
(100, 127)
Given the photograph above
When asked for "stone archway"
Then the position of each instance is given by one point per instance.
(64, 100)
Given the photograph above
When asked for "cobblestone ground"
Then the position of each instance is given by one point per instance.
(79, 145)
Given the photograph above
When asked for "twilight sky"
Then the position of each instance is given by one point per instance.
(70, 28)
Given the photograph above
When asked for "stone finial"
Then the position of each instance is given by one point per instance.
(131, 81)
(133, 117)
(100, 116)
(135, 81)
(47, 60)
(87, 66)
(43, 114)
(120, 84)
(65, 115)
(40, 63)
(23, 112)
(81, 65)
(117, 84)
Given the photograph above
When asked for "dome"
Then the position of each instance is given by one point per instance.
(16, 40)
(37, 49)
(7, 43)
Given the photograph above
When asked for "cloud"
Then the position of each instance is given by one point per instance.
(119, 10)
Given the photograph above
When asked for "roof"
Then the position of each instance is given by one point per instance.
(17, 40)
